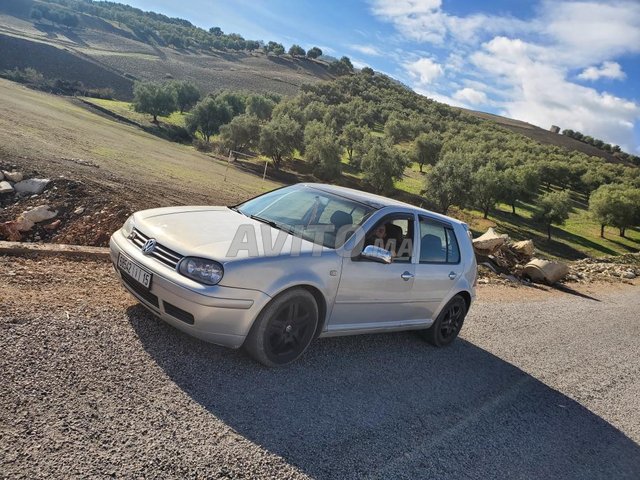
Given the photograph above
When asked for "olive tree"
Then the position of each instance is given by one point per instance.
(279, 138)
(352, 136)
(208, 116)
(426, 149)
(241, 133)
(153, 99)
(186, 95)
(553, 209)
(615, 205)
(486, 186)
(382, 164)
(448, 182)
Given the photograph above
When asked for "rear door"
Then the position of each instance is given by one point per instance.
(438, 266)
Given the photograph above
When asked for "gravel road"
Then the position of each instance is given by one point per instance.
(541, 385)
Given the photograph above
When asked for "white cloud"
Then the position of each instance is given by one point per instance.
(366, 50)
(423, 70)
(525, 67)
(538, 92)
(471, 96)
(606, 70)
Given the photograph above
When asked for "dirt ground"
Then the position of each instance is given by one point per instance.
(541, 384)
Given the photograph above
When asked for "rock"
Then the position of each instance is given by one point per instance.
(53, 225)
(13, 176)
(23, 225)
(571, 278)
(5, 187)
(524, 247)
(483, 281)
(489, 241)
(544, 271)
(9, 231)
(39, 214)
(629, 275)
(79, 211)
(1, 176)
(32, 185)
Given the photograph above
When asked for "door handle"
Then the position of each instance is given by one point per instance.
(406, 276)
(453, 275)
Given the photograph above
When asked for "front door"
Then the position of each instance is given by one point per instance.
(375, 295)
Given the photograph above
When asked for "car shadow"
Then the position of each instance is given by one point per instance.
(390, 406)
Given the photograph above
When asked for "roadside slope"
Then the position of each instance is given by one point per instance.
(54, 136)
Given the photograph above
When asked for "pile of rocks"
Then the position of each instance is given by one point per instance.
(623, 267)
(14, 183)
(503, 261)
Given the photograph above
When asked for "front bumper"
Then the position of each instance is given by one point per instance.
(216, 314)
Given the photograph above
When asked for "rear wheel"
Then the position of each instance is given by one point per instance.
(448, 324)
(284, 329)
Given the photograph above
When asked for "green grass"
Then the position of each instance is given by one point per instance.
(125, 109)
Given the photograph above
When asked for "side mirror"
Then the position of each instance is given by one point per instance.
(376, 254)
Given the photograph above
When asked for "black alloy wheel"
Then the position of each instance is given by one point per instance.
(448, 324)
(284, 329)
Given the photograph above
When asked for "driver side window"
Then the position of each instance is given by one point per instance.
(394, 234)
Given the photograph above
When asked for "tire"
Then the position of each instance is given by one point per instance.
(448, 324)
(284, 329)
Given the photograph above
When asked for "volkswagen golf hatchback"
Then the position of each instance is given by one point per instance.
(304, 261)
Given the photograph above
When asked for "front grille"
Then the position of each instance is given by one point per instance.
(161, 253)
(139, 289)
(178, 313)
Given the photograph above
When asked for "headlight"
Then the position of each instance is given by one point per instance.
(201, 270)
(127, 228)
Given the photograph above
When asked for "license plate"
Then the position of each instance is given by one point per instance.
(135, 271)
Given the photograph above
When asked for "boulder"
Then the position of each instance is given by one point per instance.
(32, 185)
(525, 248)
(39, 214)
(5, 187)
(629, 275)
(22, 224)
(544, 271)
(13, 176)
(489, 241)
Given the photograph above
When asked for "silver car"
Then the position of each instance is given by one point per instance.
(304, 261)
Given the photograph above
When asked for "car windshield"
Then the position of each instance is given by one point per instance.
(315, 215)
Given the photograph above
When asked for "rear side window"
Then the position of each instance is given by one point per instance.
(438, 243)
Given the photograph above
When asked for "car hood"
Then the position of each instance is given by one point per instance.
(215, 232)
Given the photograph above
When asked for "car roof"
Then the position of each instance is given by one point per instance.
(373, 200)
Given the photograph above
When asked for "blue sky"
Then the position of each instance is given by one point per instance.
(572, 63)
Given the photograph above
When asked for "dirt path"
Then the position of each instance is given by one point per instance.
(541, 385)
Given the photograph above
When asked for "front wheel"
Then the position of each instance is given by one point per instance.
(448, 324)
(284, 329)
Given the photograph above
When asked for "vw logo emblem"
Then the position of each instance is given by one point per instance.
(149, 246)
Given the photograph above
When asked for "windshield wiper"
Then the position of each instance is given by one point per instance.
(273, 224)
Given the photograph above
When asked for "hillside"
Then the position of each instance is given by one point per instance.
(98, 53)
(105, 53)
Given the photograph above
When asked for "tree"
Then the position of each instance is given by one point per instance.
(235, 100)
(487, 184)
(274, 47)
(153, 99)
(296, 51)
(615, 205)
(382, 164)
(208, 116)
(426, 149)
(187, 95)
(241, 133)
(352, 136)
(341, 67)
(449, 181)
(216, 31)
(314, 52)
(554, 208)
(519, 183)
(367, 71)
(397, 129)
(279, 138)
(322, 150)
(260, 106)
